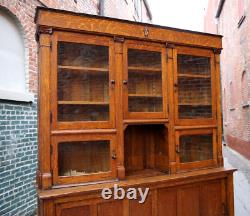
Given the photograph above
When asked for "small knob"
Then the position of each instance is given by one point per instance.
(112, 82)
(125, 82)
(113, 155)
(177, 149)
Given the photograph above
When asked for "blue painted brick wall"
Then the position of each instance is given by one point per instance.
(18, 158)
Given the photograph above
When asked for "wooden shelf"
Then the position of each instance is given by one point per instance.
(194, 76)
(145, 95)
(144, 69)
(194, 104)
(83, 103)
(144, 173)
(79, 68)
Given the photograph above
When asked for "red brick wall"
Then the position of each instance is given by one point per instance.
(209, 21)
(84, 6)
(24, 12)
(235, 59)
(124, 9)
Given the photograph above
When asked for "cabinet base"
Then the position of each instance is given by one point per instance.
(204, 192)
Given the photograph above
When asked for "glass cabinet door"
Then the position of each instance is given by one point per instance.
(194, 86)
(83, 158)
(84, 91)
(196, 148)
(143, 81)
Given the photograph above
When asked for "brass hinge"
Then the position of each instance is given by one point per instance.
(169, 57)
(43, 30)
(170, 45)
(119, 39)
(216, 50)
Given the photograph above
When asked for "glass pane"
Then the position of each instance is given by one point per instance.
(83, 82)
(144, 81)
(196, 148)
(83, 157)
(194, 87)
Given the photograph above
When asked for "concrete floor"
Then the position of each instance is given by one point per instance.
(241, 180)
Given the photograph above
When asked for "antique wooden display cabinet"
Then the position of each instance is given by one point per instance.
(133, 104)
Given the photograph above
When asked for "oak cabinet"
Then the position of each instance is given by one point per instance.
(133, 104)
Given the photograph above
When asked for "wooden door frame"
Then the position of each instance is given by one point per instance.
(196, 164)
(202, 53)
(85, 39)
(55, 140)
(147, 46)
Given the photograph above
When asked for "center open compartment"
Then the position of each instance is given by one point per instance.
(146, 150)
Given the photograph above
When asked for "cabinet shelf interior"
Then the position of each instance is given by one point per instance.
(146, 150)
(80, 68)
(145, 95)
(186, 75)
(194, 104)
(143, 69)
(83, 102)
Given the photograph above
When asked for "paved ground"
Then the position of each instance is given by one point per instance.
(241, 180)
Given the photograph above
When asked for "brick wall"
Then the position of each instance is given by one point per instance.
(18, 157)
(124, 9)
(235, 69)
(18, 120)
(209, 20)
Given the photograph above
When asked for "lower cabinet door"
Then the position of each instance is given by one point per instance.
(83, 158)
(196, 148)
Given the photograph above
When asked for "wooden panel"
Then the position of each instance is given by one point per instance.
(188, 201)
(136, 208)
(110, 208)
(66, 20)
(211, 199)
(167, 202)
(146, 148)
(81, 210)
(44, 166)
